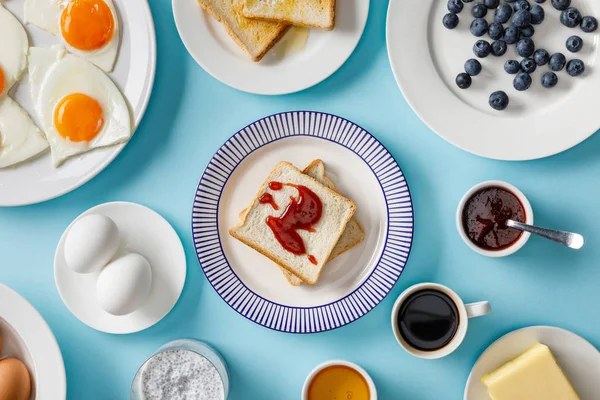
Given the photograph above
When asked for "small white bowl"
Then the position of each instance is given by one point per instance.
(528, 219)
(344, 363)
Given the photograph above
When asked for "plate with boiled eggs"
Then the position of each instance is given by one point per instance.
(73, 89)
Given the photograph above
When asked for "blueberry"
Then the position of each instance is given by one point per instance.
(510, 1)
(549, 80)
(482, 48)
(557, 62)
(496, 30)
(541, 57)
(455, 6)
(479, 10)
(511, 35)
(512, 67)
(499, 48)
(528, 65)
(540, 1)
(574, 44)
(473, 67)
(521, 18)
(479, 27)
(525, 47)
(499, 100)
(467, 1)
(528, 31)
(537, 14)
(503, 13)
(463, 80)
(575, 67)
(561, 4)
(571, 17)
(589, 24)
(491, 4)
(522, 5)
(522, 81)
(450, 20)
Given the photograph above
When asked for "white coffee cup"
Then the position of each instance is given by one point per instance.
(331, 363)
(465, 311)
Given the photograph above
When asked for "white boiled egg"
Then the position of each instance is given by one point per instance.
(91, 243)
(124, 284)
(14, 46)
(79, 106)
(20, 138)
(89, 28)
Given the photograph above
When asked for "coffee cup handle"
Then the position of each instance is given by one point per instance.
(478, 309)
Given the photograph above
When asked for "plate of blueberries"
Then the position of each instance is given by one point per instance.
(503, 79)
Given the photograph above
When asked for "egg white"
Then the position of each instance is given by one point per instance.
(46, 14)
(14, 46)
(20, 138)
(54, 74)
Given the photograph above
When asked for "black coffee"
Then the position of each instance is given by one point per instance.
(428, 320)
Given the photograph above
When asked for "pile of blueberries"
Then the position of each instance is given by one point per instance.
(514, 22)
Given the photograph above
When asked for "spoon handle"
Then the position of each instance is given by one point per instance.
(572, 240)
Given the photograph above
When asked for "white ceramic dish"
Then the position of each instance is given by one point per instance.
(576, 356)
(326, 51)
(142, 231)
(37, 180)
(426, 57)
(27, 337)
(331, 363)
(528, 219)
(350, 285)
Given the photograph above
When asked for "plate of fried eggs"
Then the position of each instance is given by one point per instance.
(73, 89)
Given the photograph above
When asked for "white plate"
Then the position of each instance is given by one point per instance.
(426, 57)
(214, 50)
(27, 337)
(350, 285)
(145, 232)
(37, 181)
(579, 360)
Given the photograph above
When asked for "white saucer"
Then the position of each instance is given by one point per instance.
(215, 51)
(142, 231)
(577, 357)
(27, 337)
(426, 58)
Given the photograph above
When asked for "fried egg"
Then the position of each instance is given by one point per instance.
(79, 106)
(20, 138)
(14, 46)
(88, 28)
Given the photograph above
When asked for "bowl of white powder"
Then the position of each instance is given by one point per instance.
(180, 370)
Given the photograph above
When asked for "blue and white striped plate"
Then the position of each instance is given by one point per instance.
(362, 169)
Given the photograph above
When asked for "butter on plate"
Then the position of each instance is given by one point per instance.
(534, 375)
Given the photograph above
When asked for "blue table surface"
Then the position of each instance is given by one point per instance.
(191, 114)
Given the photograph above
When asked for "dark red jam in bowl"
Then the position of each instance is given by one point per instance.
(485, 214)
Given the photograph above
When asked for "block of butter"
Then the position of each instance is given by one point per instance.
(534, 375)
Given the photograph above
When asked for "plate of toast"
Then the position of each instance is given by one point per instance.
(302, 222)
(270, 47)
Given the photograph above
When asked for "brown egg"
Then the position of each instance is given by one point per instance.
(0, 344)
(15, 383)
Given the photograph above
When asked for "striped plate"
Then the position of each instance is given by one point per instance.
(352, 284)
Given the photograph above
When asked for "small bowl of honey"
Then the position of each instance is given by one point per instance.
(339, 379)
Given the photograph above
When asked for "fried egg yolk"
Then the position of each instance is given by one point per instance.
(87, 24)
(78, 117)
(2, 79)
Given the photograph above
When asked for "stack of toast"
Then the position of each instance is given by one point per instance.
(256, 25)
(334, 233)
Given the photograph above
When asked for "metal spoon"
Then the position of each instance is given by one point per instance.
(572, 240)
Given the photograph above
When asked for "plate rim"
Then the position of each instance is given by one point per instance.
(61, 243)
(296, 326)
(118, 148)
(28, 338)
(297, 88)
(513, 332)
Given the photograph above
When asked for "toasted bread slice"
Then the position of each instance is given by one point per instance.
(318, 14)
(255, 37)
(254, 232)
